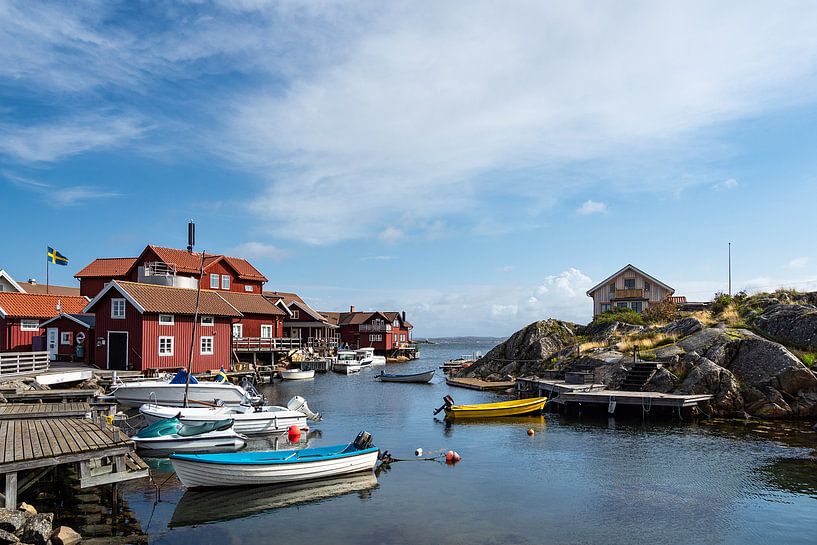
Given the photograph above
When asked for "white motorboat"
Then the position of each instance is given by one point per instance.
(172, 435)
(134, 394)
(366, 357)
(347, 363)
(269, 467)
(248, 420)
(297, 374)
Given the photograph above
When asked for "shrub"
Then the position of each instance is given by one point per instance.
(809, 359)
(619, 314)
(720, 303)
(663, 311)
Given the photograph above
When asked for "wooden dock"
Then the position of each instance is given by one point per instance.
(642, 399)
(539, 387)
(477, 384)
(38, 444)
(39, 396)
(10, 411)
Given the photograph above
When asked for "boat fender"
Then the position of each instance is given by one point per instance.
(449, 456)
(363, 440)
(294, 434)
(418, 452)
(531, 432)
(457, 457)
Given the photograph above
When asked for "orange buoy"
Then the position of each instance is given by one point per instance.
(457, 456)
(531, 431)
(449, 456)
(294, 434)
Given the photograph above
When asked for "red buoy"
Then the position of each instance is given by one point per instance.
(449, 456)
(294, 434)
(457, 457)
(531, 431)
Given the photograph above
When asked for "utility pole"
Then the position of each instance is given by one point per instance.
(730, 269)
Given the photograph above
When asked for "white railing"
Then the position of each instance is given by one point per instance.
(259, 344)
(19, 363)
(159, 268)
(374, 327)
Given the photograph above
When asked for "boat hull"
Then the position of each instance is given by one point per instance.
(417, 378)
(345, 368)
(297, 374)
(517, 407)
(197, 474)
(219, 441)
(135, 394)
(268, 420)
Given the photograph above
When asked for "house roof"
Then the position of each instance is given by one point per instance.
(52, 290)
(361, 317)
(10, 280)
(331, 317)
(392, 316)
(87, 320)
(287, 296)
(154, 299)
(636, 269)
(251, 303)
(190, 262)
(107, 267)
(33, 305)
(290, 299)
(244, 268)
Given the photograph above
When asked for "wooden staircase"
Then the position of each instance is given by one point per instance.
(639, 375)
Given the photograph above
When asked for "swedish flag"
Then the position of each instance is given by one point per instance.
(221, 376)
(55, 257)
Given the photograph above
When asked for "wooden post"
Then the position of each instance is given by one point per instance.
(11, 490)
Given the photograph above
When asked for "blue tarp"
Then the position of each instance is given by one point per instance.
(181, 378)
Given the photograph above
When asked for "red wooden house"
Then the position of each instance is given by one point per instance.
(144, 326)
(304, 323)
(386, 332)
(22, 313)
(261, 318)
(175, 268)
(75, 337)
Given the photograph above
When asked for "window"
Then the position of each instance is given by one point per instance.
(646, 286)
(629, 283)
(395, 337)
(29, 325)
(207, 321)
(206, 346)
(65, 337)
(396, 322)
(213, 281)
(238, 331)
(166, 319)
(225, 282)
(622, 304)
(266, 331)
(605, 307)
(165, 346)
(118, 308)
(612, 288)
(296, 314)
(402, 337)
(637, 306)
(375, 337)
(247, 288)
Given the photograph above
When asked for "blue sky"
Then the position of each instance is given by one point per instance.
(479, 167)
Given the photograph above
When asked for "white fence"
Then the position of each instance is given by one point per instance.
(20, 363)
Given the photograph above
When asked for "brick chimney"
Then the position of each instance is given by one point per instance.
(352, 308)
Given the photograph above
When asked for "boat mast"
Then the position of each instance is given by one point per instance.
(193, 335)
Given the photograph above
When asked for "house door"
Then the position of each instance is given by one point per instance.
(117, 350)
(51, 338)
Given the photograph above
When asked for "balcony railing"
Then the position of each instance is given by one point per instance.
(365, 328)
(260, 344)
(630, 293)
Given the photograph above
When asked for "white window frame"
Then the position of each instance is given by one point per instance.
(240, 329)
(29, 325)
(213, 281)
(66, 337)
(267, 327)
(248, 288)
(375, 337)
(172, 320)
(207, 321)
(115, 304)
(296, 314)
(202, 351)
(166, 352)
(402, 337)
(225, 281)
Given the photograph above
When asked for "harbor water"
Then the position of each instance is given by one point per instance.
(575, 481)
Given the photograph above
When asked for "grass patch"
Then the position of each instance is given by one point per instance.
(618, 314)
(646, 341)
(809, 358)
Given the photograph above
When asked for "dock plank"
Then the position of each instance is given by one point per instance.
(477, 384)
(43, 410)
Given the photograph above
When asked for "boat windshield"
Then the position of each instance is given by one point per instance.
(346, 356)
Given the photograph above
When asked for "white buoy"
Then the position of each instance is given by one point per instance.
(418, 452)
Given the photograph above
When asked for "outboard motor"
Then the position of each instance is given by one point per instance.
(250, 388)
(363, 440)
(298, 404)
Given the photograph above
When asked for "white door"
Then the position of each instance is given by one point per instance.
(52, 337)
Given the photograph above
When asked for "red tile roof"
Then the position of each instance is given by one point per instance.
(245, 269)
(31, 305)
(107, 267)
(52, 290)
(251, 303)
(166, 300)
(190, 262)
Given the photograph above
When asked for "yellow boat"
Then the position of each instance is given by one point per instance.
(516, 407)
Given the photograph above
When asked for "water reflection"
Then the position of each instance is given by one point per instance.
(208, 506)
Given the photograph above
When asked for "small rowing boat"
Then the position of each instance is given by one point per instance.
(297, 374)
(515, 407)
(172, 435)
(417, 378)
(281, 466)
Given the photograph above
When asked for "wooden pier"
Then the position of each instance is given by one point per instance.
(11, 411)
(39, 396)
(477, 384)
(104, 454)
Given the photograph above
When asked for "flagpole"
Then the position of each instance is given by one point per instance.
(46, 269)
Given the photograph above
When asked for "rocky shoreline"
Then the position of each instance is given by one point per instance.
(753, 368)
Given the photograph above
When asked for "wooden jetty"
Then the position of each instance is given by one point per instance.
(36, 445)
(61, 395)
(11, 411)
(477, 384)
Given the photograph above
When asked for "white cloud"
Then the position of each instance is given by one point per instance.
(797, 263)
(726, 185)
(592, 207)
(259, 250)
(391, 235)
(60, 196)
(506, 269)
(378, 258)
